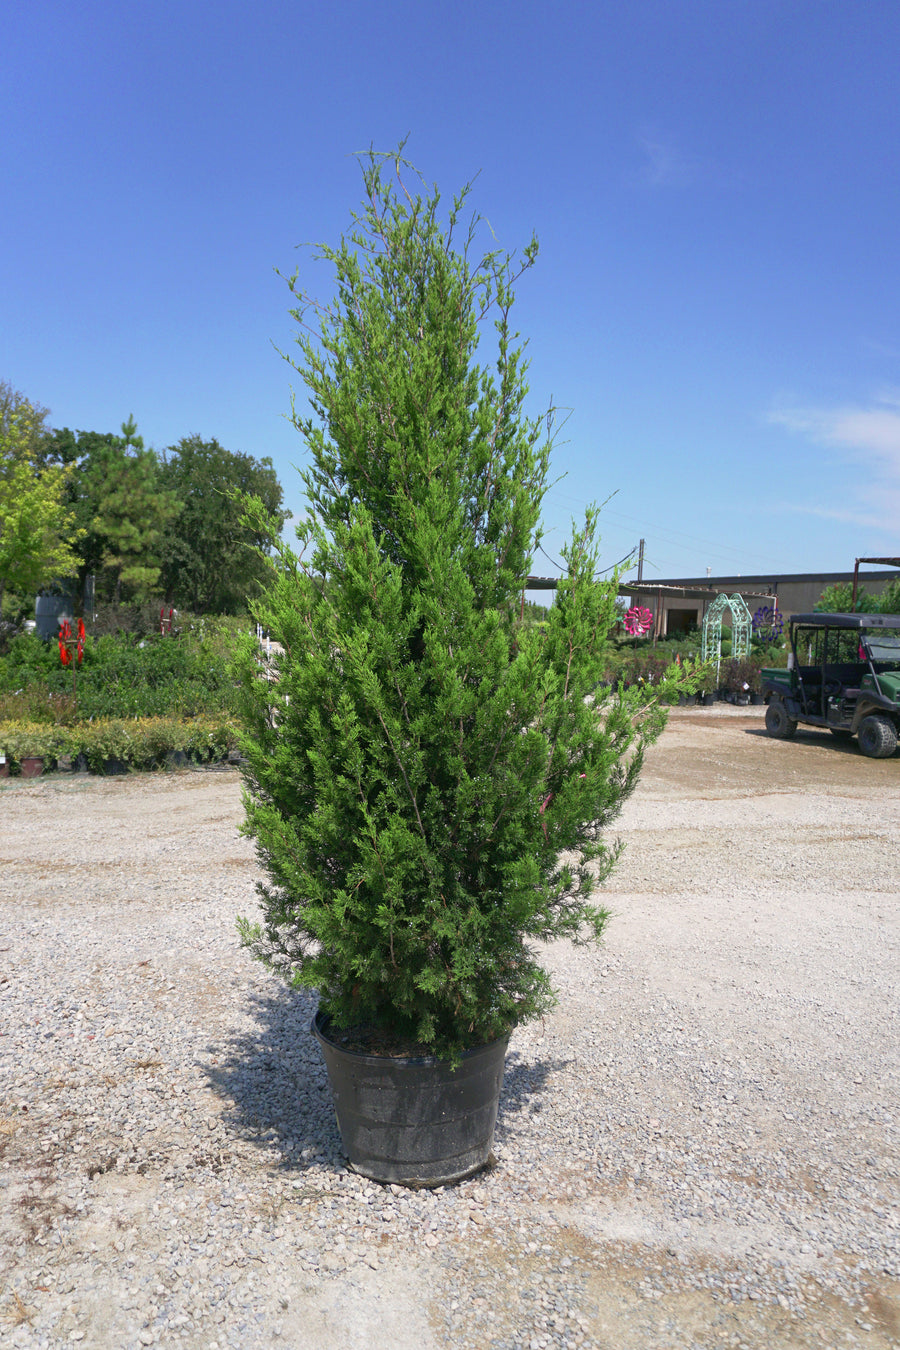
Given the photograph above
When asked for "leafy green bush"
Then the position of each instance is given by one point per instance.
(22, 740)
(889, 599)
(838, 599)
(183, 674)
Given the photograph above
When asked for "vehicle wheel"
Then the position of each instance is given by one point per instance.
(877, 737)
(777, 721)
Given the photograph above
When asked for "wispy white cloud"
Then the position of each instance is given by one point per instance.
(866, 437)
(872, 431)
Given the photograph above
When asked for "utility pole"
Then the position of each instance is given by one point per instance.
(640, 576)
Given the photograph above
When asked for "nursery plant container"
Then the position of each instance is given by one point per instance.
(31, 766)
(414, 1121)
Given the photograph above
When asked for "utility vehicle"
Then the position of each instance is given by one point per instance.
(843, 674)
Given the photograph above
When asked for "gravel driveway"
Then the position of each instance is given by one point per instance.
(698, 1149)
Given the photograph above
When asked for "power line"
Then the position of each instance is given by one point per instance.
(602, 571)
(665, 534)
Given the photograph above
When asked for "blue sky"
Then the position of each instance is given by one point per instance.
(714, 185)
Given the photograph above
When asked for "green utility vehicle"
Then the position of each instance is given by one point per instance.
(843, 674)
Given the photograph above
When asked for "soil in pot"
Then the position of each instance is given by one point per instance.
(411, 1119)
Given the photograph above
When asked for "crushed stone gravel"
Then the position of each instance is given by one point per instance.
(697, 1149)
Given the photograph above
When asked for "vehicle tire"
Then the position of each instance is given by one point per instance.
(777, 721)
(877, 737)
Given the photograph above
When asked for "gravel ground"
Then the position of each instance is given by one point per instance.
(698, 1149)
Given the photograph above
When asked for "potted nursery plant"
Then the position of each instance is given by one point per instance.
(671, 687)
(29, 746)
(752, 666)
(427, 780)
(737, 676)
(705, 681)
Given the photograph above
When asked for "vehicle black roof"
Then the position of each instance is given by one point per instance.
(847, 620)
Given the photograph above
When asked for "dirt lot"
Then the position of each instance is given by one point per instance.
(711, 1159)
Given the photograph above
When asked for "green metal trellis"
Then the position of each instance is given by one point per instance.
(741, 622)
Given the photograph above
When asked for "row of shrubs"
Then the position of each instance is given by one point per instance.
(123, 675)
(674, 677)
(139, 743)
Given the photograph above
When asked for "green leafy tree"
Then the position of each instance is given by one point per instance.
(889, 599)
(37, 530)
(23, 426)
(838, 599)
(210, 556)
(428, 781)
(86, 454)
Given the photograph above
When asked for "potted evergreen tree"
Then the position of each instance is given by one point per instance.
(427, 781)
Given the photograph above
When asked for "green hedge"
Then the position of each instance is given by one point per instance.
(182, 675)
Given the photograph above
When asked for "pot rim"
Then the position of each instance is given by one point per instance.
(321, 1022)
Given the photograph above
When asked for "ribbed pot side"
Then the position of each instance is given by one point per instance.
(414, 1122)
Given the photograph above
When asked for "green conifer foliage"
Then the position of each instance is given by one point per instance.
(428, 783)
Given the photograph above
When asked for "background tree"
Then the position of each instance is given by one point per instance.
(211, 556)
(37, 526)
(121, 506)
(889, 599)
(133, 511)
(838, 599)
(84, 453)
(23, 424)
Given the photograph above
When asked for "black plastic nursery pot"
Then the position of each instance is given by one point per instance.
(414, 1121)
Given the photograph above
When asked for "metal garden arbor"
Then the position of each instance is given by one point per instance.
(741, 621)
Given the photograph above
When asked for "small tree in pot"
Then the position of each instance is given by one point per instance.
(427, 781)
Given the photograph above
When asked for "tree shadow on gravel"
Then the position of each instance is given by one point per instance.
(522, 1095)
(274, 1080)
